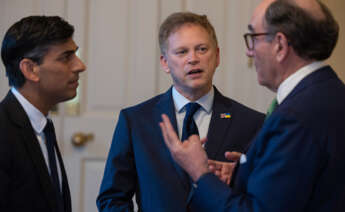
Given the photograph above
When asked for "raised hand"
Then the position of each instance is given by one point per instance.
(189, 154)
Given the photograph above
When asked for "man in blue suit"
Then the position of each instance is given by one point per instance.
(138, 161)
(297, 160)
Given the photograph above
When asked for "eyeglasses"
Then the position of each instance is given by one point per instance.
(249, 38)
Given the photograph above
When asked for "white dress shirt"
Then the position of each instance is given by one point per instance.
(38, 122)
(291, 82)
(202, 116)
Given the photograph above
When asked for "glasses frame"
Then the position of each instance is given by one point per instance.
(251, 36)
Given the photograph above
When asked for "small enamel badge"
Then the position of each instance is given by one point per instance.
(225, 115)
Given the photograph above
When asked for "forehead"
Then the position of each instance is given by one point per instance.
(60, 48)
(257, 20)
(189, 34)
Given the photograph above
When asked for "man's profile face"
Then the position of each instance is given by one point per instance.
(262, 53)
(191, 58)
(59, 72)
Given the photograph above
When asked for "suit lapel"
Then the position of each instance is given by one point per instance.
(20, 118)
(166, 105)
(218, 125)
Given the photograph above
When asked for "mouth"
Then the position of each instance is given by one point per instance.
(74, 82)
(195, 71)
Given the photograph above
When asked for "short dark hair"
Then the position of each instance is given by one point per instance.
(178, 19)
(310, 37)
(31, 38)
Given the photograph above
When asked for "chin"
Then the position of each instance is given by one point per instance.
(262, 82)
(198, 84)
(70, 96)
(197, 87)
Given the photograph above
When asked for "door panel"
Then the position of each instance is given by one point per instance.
(120, 51)
(108, 57)
(91, 171)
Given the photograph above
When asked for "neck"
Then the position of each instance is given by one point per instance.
(35, 99)
(290, 67)
(195, 94)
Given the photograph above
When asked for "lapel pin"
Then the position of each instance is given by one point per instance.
(225, 115)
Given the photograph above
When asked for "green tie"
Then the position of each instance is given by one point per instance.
(273, 105)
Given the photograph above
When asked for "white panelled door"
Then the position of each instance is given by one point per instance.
(118, 43)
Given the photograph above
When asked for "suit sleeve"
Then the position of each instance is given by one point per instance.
(282, 167)
(5, 166)
(120, 179)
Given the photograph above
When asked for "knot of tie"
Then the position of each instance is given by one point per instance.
(189, 125)
(49, 129)
(272, 107)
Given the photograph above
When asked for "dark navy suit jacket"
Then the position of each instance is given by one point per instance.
(25, 184)
(297, 161)
(140, 163)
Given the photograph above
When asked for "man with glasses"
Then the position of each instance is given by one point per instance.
(296, 161)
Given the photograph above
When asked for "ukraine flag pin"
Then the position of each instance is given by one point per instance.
(225, 115)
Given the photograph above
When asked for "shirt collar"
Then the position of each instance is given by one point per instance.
(205, 101)
(291, 82)
(37, 119)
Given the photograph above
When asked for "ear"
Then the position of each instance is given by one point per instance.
(29, 69)
(218, 56)
(282, 47)
(164, 64)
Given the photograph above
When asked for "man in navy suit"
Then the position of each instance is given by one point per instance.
(42, 68)
(138, 161)
(297, 160)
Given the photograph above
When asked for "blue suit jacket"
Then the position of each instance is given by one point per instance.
(140, 163)
(297, 161)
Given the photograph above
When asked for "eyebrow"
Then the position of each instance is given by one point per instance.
(70, 51)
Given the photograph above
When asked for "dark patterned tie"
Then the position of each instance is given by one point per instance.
(189, 126)
(49, 132)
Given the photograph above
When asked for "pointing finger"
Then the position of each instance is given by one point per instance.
(170, 137)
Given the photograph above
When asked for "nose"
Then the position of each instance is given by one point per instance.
(79, 65)
(250, 53)
(193, 58)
